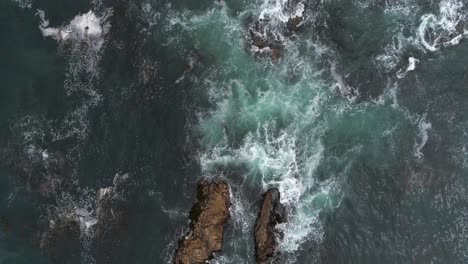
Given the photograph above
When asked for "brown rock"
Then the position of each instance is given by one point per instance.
(272, 212)
(208, 219)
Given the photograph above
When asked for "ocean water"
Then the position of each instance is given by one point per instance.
(361, 123)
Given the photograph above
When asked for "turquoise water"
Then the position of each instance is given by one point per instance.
(361, 122)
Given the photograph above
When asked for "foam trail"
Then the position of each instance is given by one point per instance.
(411, 67)
(445, 29)
(424, 126)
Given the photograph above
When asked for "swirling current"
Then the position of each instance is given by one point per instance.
(356, 110)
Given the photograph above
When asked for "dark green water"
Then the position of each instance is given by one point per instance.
(361, 123)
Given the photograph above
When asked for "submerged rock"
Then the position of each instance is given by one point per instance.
(208, 217)
(61, 241)
(4, 223)
(272, 213)
(47, 177)
(112, 219)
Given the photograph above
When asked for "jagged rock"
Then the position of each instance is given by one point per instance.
(294, 23)
(296, 19)
(208, 216)
(112, 218)
(272, 212)
(267, 37)
(61, 241)
(263, 40)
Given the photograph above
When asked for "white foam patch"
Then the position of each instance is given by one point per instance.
(24, 3)
(411, 67)
(280, 10)
(445, 29)
(424, 127)
(86, 27)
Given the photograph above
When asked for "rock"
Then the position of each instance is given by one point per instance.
(272, 213)
(4, 223)
(460, 27)
(267, 36)
(296, 19)
(61, 241)
(112, 219)
(264, 41)
(208, 216)
(294, 23)
(48, 177)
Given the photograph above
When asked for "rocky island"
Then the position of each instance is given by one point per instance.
(272, 213)
(208, 217)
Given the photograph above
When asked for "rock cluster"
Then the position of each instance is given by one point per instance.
(208, 216)
(208, 219)
(272, 212)
(267, 36)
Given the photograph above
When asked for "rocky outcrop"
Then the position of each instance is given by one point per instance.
(112, 219)
(208, 217)
(272, 212)
(61, 241)
(264, 41)
(267, 35)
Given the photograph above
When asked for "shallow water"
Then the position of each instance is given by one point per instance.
(361, 123)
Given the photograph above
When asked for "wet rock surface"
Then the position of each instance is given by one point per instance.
(208, 217)
(272, 213)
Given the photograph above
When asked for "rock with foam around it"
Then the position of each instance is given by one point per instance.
(208, 216)
(272, 213)
(61, 241)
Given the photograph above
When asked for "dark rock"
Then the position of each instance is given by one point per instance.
(294, 23)
(460, 27)
(208, 216)
(4, 223)
(61, 241)
(263, 40)
(266, 37)
(272, 213)
(45, 178)
(112, 219)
